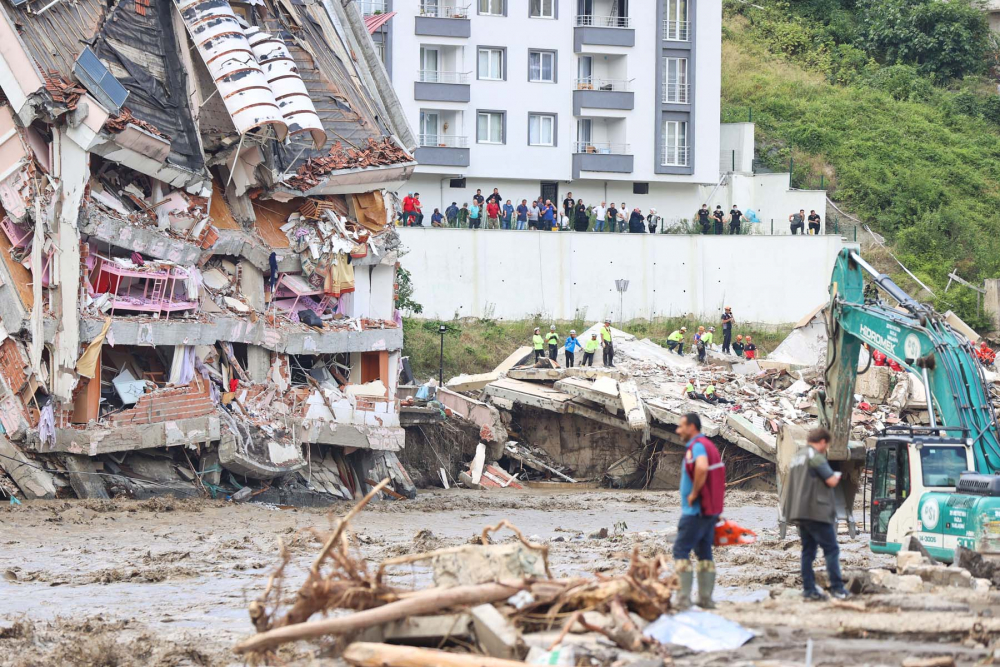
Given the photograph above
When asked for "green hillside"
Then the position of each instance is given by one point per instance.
(892, 105)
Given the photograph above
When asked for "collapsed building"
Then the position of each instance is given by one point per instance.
(197, 259)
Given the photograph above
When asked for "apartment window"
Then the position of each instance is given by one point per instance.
(542, 9)
(675, 143)
(489, 127)
(380, 51)
(541, 129)
(675, 84)
(542, 66)
(429, 121)
(491, 7)
(491, 65)
(675, 22)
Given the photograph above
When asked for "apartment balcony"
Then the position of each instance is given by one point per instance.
(372, 7)
(434, 20)
(438, 86)
(443, 150)
(594, 30)
(676, 93)
(598, 93)
(606, 157)
(676, 31)
(674, 156)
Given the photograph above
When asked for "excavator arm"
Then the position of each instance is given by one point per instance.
(919, 340)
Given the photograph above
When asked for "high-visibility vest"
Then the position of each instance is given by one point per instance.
(590, 346)
(676, 336)
(709, 390)
(552, 338)
(538, 342)
(707, 338)
(689, 389)
(606, 334)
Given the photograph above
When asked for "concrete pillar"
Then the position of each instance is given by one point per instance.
(991, 302)
(252, 285)
(258, 363)
(72, 166)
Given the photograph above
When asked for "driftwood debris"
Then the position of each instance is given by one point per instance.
(364, 654)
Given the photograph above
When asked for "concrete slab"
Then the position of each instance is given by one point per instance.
(487, 417)
(83, 479)
(552, 374)
(635, 410)
(586, 389)
(34, 482)
(237, 460)
(526, 393)
(479, 381)
(101, 440)
(149, 241)
(764, 444)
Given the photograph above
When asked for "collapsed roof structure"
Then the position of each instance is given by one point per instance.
(197, 261)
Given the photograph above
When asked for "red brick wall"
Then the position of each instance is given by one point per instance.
(168, 405)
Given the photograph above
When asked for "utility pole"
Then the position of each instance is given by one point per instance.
(442, 330)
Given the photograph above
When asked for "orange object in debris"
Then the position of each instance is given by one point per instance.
(728, 533)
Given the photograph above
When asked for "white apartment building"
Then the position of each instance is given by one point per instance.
(613, 100)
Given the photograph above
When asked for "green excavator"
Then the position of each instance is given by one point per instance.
(938, 483)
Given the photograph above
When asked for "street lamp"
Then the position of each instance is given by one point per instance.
(622, 286)
(442, 329)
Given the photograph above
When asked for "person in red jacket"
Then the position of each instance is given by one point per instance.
(749, 350)
(492, 214)
(985, 354)
(408, 209)
(703, 487)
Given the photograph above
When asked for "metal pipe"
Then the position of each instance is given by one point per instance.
(886, 283)
(930, 399)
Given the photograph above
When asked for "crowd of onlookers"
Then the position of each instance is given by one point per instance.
(494, 212)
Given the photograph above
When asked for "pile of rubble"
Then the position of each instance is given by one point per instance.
(492, 602)
(616, 425)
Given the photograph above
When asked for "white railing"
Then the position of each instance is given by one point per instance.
(596, 83)
(676, 93)
(677, 31)
(443, 141)
(371, 7)
(435, 10)
(601, 148)
(437, 76)
(674, 156)
(604, 21)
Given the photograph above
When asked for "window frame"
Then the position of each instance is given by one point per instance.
(541, 53)
(681, 60)
(554, 118)
(502, 12)
(553, 13)
(503, 126)
(502, 50)
(685, 146)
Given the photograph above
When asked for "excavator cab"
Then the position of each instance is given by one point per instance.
(909, 462)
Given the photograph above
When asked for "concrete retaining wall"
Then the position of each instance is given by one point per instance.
(563, 275)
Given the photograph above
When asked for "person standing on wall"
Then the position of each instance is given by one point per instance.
(538, 344)
(704, 218)
(612, 216)
(533, 212)
(635, 222)
(463, 216)
(652, 220)
(408, 209)
(798, 222)
(719, 215)
(581, 221)
(622, 220)
(814, 222)
(492, 215)
(495, 197)
(702, 488)
(600, 217)
(522, 214)
(727, 329)
(569, 205)
(607, 344)
(572, 345)
(735, 220)
(475, 216)
(451, 214)
(808, 501)
(548, 215)
(552, 340)
(589, 348)
(436, 218)
(478, 199)
(508, 214)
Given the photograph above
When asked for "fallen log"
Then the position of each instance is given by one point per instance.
(362, 654)
(424, 602)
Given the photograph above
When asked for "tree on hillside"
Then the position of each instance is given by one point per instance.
(943, 39)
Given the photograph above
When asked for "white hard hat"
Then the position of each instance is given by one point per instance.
(553, 327)
(572, 332)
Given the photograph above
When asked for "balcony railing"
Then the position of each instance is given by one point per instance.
(597, 83)
(443, 141)
(437, 76)
(371, 7)
(676, 93)
(604, 21)
(674, 156)
(599, 148)
(677, 31)
(434, 10)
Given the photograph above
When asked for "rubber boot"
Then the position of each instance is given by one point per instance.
(685, 575)
(706, 584)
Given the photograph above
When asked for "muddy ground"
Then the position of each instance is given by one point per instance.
(166, 582)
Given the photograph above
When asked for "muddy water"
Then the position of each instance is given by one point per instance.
(167, 582)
